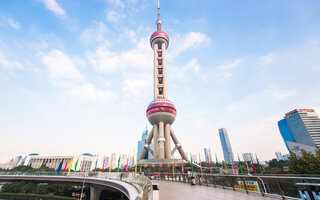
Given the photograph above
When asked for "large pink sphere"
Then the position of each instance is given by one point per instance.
(159, 37)
(161, 111)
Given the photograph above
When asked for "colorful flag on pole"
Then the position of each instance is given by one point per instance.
(70, 165)
(104, 161)
(201, 164)
(75, 166)
(240, 165)
(246, 164)
(110, 164)
(135, 168)
(254, 169)
(173, 167)
(191, 162)
(60, 166)
(118, 163)
(234, 169)
(65, 167)
(127, 163)
(82, 163)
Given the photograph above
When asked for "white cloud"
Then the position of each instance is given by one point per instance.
(135, 86)
(53, 6)
(191, 68)
(114, 16)
(14, 24)
(88, 92)
(267, 97)
(107, 61)
(116, 3)
(267, 58)
(232, 65)
(95, 34)
(190, 40)
(224, 71)
(60, 65)
(7, 64)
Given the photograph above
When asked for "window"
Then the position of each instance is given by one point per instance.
(159, 70)
(160, 80)
(160, 62)
(161, 91)
(159, 54)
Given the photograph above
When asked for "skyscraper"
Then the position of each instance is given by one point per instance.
(161, 112)
(207, 154)
(141, 144)
(300, 129)
(226, 146)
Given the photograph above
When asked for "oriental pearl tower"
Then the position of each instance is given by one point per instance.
(161, 112)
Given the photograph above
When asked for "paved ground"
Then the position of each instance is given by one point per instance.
(183, 191)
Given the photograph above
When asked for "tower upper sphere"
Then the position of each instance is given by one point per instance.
(159, 36)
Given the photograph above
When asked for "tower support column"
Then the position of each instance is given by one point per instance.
(155, 141)
(161, 140)
(168, 142)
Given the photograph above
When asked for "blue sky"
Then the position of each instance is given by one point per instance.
(76, 76)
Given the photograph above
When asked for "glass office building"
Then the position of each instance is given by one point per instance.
(141, 144)
(300, 127)
(226, 146)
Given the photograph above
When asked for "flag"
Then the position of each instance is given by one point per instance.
(234, 169)
(173, 167)
(65, 167)
(254, 169)
(246, 164)
(127, 163)
(75, 166)
(200, 164)
(110, 164)
(208, 164)
(70, 165)
(240, 165)
(60, 166)
(191, 162)
(118, 164)
(104, 160)
(82, 163)
(135, 168)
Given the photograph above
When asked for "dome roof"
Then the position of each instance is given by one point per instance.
(87, 154)
(33, 154)
(159, 34)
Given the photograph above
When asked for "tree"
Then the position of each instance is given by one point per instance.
(307, 163)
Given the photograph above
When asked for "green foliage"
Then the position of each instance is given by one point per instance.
(24, 168)
(306, 164)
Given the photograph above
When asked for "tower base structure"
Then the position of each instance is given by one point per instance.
(162, 148)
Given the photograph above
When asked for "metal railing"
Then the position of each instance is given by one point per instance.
(140, 182)
(276, 186)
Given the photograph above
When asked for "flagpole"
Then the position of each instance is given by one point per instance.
(70, 165)
(234, 169)
(240, 165)
(200, 165)
(110, 164)
(254, 169)
(104, 160)
(247, 164)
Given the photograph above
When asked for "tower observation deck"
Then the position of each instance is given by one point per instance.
(161, 112)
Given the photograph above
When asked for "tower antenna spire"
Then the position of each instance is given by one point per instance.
(158, 9)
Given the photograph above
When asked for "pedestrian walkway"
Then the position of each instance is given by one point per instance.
(183, 191)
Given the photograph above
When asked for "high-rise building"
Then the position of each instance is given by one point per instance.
(279, 156)
(300, 129)
(161, 112)
(141, 144)
(226, 146)
(207, 154)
